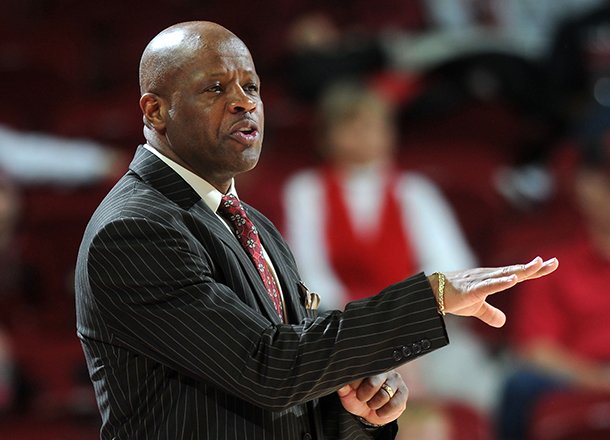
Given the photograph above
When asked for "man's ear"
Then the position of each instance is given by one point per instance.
(152, 106)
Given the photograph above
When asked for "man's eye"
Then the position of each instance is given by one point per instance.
(215, 89)
(251, 88)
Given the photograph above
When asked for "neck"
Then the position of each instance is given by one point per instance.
(221, 183)
(223, 187)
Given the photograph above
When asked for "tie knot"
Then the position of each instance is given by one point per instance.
(230, 205)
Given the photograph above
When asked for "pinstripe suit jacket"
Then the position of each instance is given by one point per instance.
(181, 339)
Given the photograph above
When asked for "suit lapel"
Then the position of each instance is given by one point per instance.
(157, 174)
(153, 171)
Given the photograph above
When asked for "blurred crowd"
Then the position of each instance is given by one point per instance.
(439, 133)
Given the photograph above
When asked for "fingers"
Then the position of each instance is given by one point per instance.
(344, 390)
(488, 286)
(534, 269)
(378, 399)
(387, 391)
(503, 278)
(371, 387)
(520, 270)
(548, 267)
(511, 275)
(347, 388)
(525, 271)
(395, 406)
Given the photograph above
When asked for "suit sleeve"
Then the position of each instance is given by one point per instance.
(160, 296)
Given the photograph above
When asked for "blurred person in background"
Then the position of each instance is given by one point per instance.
(578, 61)
(36, 170)
(357, 223)
(320, 52)
(358, 197)
(561, 330)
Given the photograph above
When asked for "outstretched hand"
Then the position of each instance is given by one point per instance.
(368, 399)
(466, 291)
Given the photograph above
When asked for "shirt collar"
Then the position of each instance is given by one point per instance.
(210, 195)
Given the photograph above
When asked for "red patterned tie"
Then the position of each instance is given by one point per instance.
(231, 209)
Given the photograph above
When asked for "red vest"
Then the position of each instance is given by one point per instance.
(366, 264)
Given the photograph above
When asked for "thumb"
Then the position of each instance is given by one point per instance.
(491, 315)
(344, 390)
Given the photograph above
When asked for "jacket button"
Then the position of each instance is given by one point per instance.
(425, 344)
(307, 436)
(397, 355)
(417, 348)
(406, 351)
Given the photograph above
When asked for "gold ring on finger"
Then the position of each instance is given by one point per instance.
(388, 389)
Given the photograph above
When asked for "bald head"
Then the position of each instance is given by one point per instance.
(167, 52)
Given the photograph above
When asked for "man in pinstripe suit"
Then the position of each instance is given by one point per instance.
(181, 337)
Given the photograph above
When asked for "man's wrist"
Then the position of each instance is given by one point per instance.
(368, 424)
(438, 279)
(386, 431)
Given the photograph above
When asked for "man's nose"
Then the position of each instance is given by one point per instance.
(241, 102)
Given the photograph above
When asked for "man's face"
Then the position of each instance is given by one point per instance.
(215, 119)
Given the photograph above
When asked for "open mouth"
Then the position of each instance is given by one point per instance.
(245, 132)
(245, 135)
(248, 131)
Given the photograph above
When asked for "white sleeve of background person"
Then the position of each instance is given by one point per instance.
(304, 209)
(40, 158)
(463, 370)
(435, 234)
